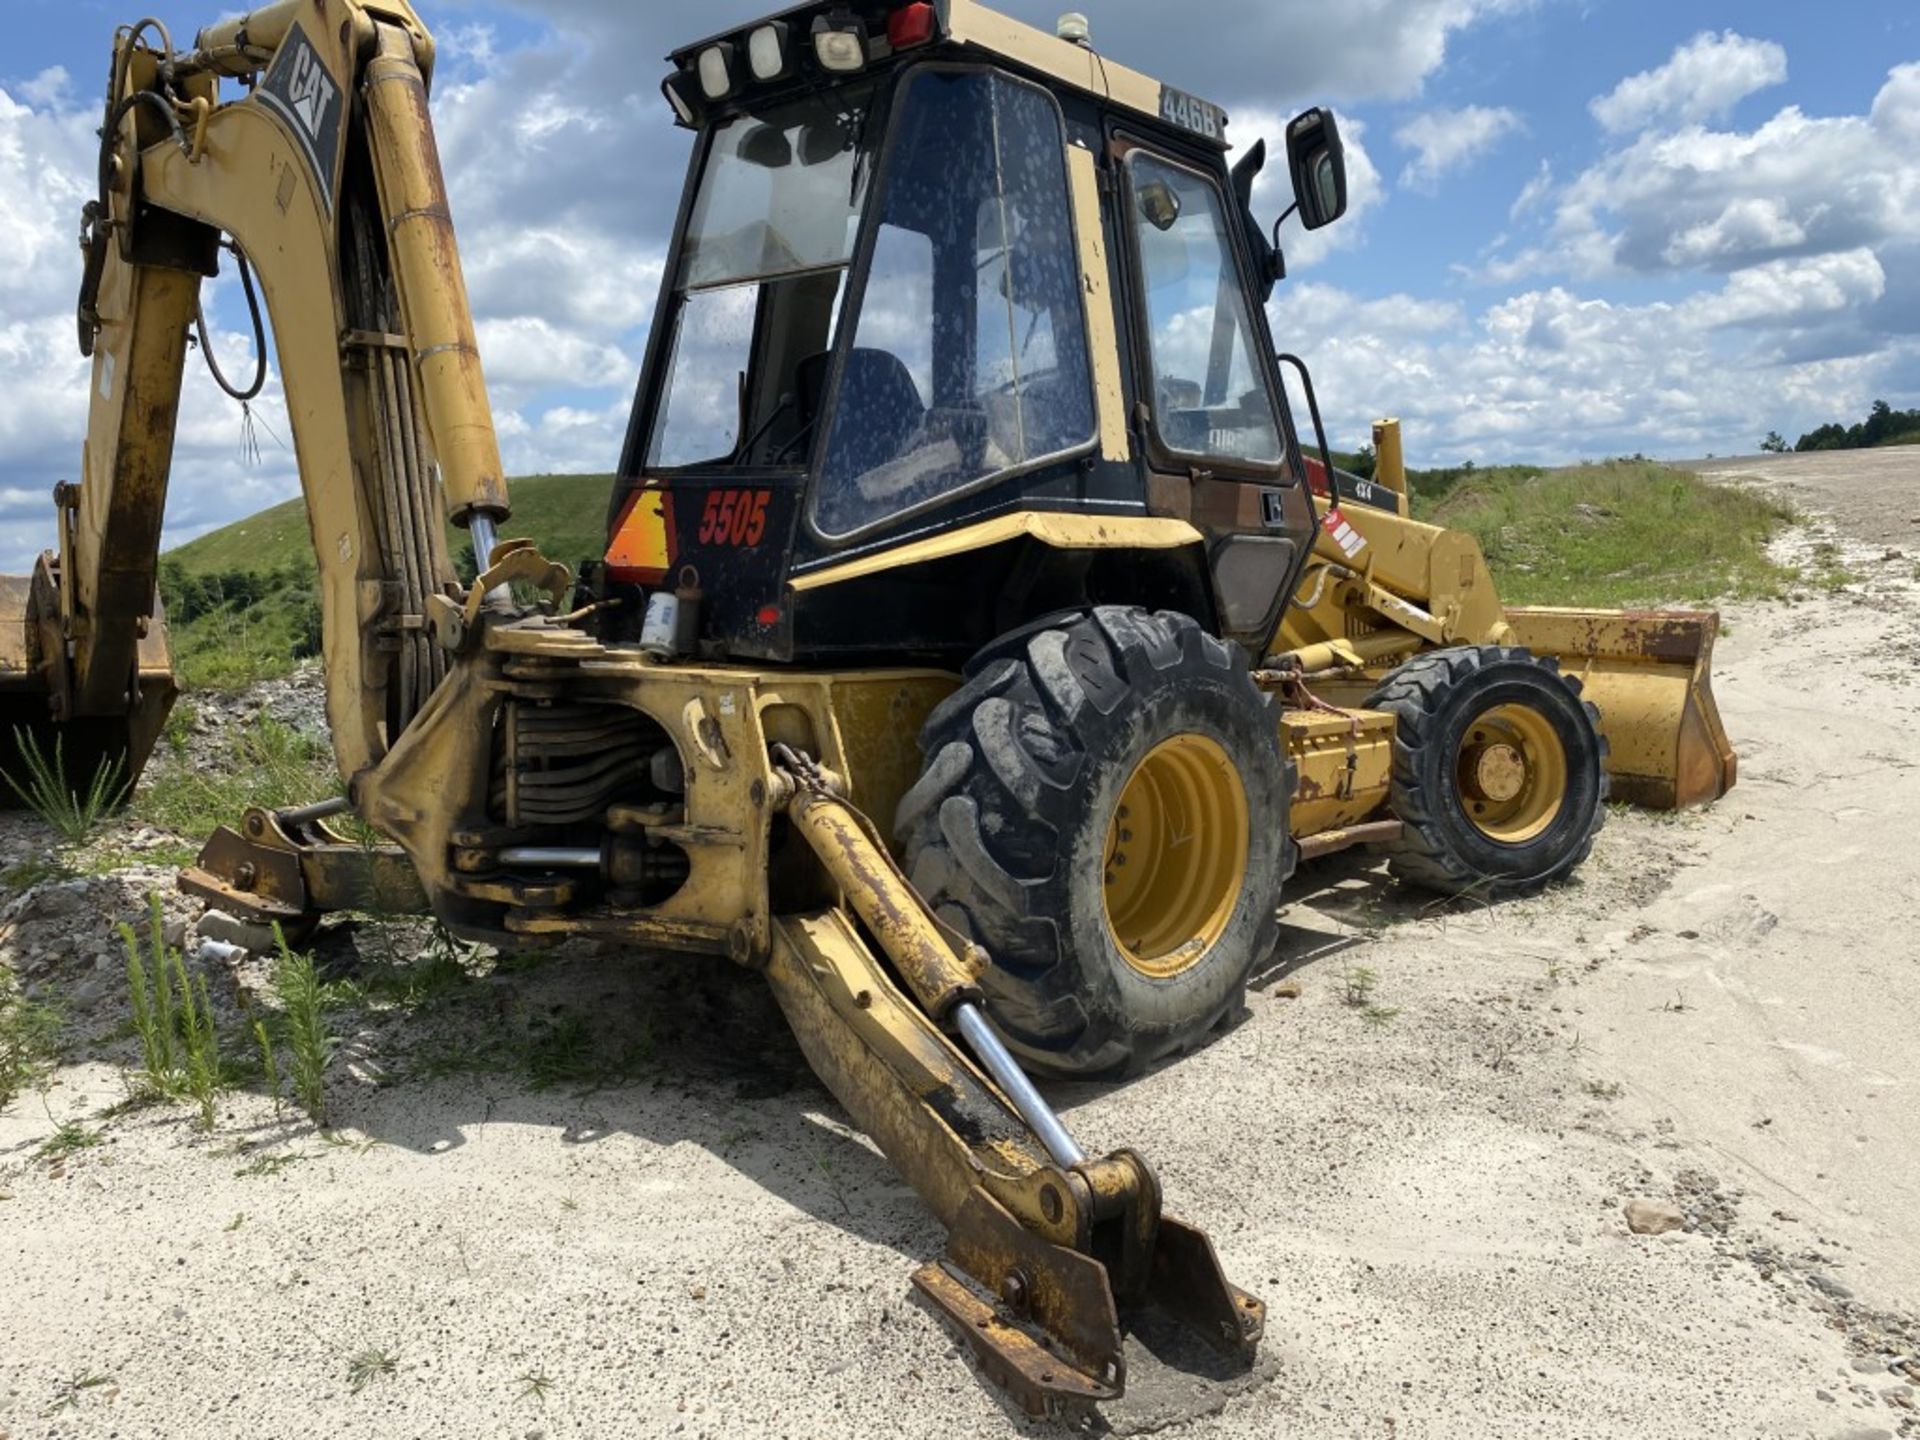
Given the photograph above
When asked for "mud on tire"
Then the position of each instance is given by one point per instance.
(1438, 700)
(1007, 832)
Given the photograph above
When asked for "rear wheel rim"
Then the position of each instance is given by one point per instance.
(1176, 856)
(1512, 770)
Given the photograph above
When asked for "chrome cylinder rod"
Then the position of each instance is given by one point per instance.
(551, 857)
(1013, 1082)
(481, 531)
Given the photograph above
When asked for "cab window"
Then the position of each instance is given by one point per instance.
(969, 356)
(1210, 395)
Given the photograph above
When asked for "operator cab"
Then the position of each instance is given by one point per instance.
(934, 272)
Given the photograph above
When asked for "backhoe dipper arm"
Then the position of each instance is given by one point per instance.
(323, 170)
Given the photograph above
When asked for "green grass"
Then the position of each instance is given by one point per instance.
(305, 1038)
(371, 1365)
(69, 1139)
(242, 602)
(567, 514)
(29, 1035)
(73, 1390)
(268, 764)
(1626, 532)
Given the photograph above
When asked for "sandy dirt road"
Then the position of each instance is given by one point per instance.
(1721, 1013)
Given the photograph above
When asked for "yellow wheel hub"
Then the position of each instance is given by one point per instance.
(1176, 858)
(1512, 773)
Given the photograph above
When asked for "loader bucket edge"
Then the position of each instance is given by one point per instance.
(1650, 674)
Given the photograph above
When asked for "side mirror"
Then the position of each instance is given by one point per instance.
(1318, 162)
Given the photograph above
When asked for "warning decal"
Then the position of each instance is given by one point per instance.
(1350, 540)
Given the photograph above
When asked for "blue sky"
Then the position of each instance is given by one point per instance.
(1579, 228)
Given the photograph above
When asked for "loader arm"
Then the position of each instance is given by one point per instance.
(1383, 587)
(322, 170)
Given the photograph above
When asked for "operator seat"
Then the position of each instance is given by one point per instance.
(878, 388)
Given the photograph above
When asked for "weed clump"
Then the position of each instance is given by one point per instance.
(307, 1041)
(73, 812)
(173, 1016)
(29, 1034)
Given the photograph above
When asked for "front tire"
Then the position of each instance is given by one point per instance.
(1103, 808)
(1499, 771)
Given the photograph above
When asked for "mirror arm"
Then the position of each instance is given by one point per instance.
(1285, 216)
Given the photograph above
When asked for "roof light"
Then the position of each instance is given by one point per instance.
(912, 24)
(840, 42)
(768, 53)
(682, 91)
(716, 71)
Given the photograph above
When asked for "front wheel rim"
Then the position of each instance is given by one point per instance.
(1176, 855)
(1511, 769)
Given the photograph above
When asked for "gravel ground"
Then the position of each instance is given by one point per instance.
(600, 1195)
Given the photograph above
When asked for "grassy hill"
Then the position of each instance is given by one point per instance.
(1620, 533)
(241, 600)
(1626, 532)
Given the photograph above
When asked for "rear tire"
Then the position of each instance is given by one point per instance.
(1499, 771)
(1115, 938)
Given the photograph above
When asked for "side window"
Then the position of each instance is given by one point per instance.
(969, 356)
(1210, 397)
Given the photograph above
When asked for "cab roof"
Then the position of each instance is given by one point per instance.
(967, 25)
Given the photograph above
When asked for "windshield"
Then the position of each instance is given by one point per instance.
(762, 272)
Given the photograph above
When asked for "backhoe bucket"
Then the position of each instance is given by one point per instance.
(34, 693)
(1650, 672)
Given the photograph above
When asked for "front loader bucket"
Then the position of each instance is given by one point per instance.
(33, 691)
(1650, 673)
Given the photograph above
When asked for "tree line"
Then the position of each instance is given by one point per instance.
(1883, 425)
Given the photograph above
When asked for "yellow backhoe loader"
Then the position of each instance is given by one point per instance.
(961, 490)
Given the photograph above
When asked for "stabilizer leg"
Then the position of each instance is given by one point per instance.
(1048, 1251)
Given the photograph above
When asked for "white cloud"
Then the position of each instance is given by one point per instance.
(1703, 80)
(1374, 49)
(1446, 141)
(1551, 375)
(1722, 200)
(1535, 193)
(526, 350)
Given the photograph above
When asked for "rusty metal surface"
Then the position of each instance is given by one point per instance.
(1329, 842)
(1042, 1383)
(253, 881)
(879, 894)
(1063, 1294)
(290, 868)
(1344, 765)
